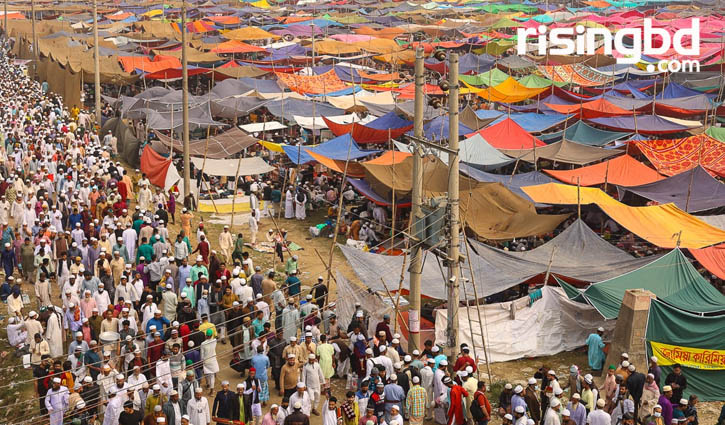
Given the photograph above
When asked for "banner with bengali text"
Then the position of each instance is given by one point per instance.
(697, 358)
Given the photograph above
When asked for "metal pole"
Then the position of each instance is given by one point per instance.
(454, 271)
(97, 64)
(416, 254)
(185, 103)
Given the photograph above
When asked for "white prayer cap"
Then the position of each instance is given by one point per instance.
(311, 356)
(558, 391)
(435, 349)
(416, 380)
(518, 389)
(395, 341)
(653, 358)
(198, 390)
(576, 396)
(383, 348)
(407, 358)
(532, 381)
(631, 368)
(508, 416)
(625, 355)
(519, 409)
(369, 351)
(297, 405)
(508, 386)
(551, 372)
(600, 329)
(240, 385)
(56, 380)
(300, 385)
(601, 403)
(564, 412)
(555, 402)
(625, 364)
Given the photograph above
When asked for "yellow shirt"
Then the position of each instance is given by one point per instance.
(208, 325)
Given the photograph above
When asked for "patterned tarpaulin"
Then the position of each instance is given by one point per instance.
(673, 156)
(578, 74)
(313, 84)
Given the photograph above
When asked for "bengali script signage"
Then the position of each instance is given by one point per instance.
(697, 358)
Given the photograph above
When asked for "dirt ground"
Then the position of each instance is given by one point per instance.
(311, 266)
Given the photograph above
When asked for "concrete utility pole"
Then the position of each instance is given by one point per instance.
(35, 39)
(454, 271)
(416, 261)
(185, 103)
(96, 64)
(5, 16)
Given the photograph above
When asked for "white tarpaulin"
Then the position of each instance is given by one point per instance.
(262, 126)
(514, 330)
(228, 167)
(348, 294)
(316, 123)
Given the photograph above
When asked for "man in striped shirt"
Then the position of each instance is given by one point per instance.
(416, 402)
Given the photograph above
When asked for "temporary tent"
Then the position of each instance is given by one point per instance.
(473, 120)
(340, 148)
(577, 252)
(622, 170)
(673, 156)
(696, 342)
(671, 278)
(513, 182)
(662, 225)
(691, 190)
(508, 135)
(160, 171)
(551, 325)
(228, 167)
(583, 133)
(593, 109)
(645, 124)
(509, 91)
(476, 152)
(535, 123)
(712, 258)
(389, 126)
(220, 146)
(564, 151)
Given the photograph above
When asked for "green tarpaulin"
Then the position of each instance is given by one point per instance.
(490, 78)
(537, 82)
(585, 134)
(669, 325)
(716, 133)
(671, 277)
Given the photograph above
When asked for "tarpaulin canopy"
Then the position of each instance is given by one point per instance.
(437, 129)
(490, 210)
(490, 78)
(673, 156)
(474, 121)
(712, 258)
(312, 84)
(577, 252)
(594, 109)
(623, 170)
(508, 135)
(671, 277)
(348, 167)
(199, 117)
(513, 182)
(234, 107)
(476, 152)
(644, 124)
(234, 46)
(662, 225)
(468, 62)
(289, 108)
(249, 33)
(564, 151)
(340, 148)
(535, 123)
(585, 134)
(159, 170)
(509, 91)
(691, 190)
(228, 167)
(551, 325)
(687, 332)
(365, 190)
(220, 146)
(389, 126)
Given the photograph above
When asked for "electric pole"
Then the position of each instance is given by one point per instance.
(416, 261)
(35, 44)
(96, 64)
(185, 103)
(454, 272)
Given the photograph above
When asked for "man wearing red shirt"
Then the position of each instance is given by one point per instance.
(464, 360)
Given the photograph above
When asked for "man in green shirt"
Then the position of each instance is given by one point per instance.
(145, 250)
(258, 323)
(198, 269)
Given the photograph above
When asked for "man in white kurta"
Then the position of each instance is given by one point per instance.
(144, 198)
(226, 243)
(208, 359)
(56, 401)
(54, 333)
(113, 408)
(290, 320)
(303, 397)
(198, 409)
(33, 326)
(314, 379)
(289, 205)
(552, 413)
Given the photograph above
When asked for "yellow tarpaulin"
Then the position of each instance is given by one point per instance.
(249, 33)
(224, 206)
(274, 147)
(661, 225)
(509, 91)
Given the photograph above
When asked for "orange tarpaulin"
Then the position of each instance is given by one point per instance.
(143, 63)
(662, 225)
(389, 33)
(712, 258)
(389, 158)
(509, 91)
(622, 170)
(379, 77)
(587, 110)
(155, 166)
(313, 84)
(354, 169)
(234, 46)
(249, 33)
(673, 156)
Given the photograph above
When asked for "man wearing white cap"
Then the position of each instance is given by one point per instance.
(301, 398)
(226, 243)
(56, 401)
(520, 415)
(314, 379)
(552, 413)
(595, 352)
(170, 300)
(290, 319)
(578, 412)
(599, 416)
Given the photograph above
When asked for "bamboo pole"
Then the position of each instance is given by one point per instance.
(470, 322)
(578, 198)
(234, 195)
(548, 268)
(478, 308)
(396, 311)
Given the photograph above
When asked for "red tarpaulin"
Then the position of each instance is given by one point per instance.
(363, 134)
(155, 166)
(508, 135)
(587, 110)
(712, 258)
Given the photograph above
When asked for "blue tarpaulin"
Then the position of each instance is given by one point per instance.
(336, 148)
(390, 120)
(533, 122)
(437, 128)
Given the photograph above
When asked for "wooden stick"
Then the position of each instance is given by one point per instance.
(234, 195)
(578, 198)
(397, 313)
(470, 323)
(548, 268)
(322, 260)
(339, 213)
